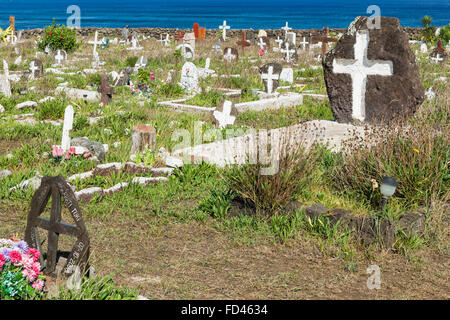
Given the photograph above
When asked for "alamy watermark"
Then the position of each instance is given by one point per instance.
(374, 21)
(374, 281)
(74, 21)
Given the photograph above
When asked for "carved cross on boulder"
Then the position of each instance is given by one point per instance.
(106, 90)
(57, 187)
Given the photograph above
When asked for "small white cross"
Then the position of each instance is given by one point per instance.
(437, 59)
(59, 58)
(269, 76)
(304, 43)
(261, 43)
(229, 56)
(95, 42)
(287, 51)
(225, 118)
(279, 42)
(224, 27)
(286, 29)
(359, 68)
(33, 69)
(5, 68)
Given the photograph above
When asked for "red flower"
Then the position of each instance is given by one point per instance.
(50, 32)
(15, 256)
(60, 37)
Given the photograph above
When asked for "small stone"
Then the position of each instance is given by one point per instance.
(26, 104)
(88, 193)
(173, 162)
(107, 169)
(316, 210)
(2, 109)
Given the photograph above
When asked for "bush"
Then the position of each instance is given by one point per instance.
(417, 159)
(444, 35)
(58, 37)
(268, 194)
(429, 32)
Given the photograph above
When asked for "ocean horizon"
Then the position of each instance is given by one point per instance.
(256, 14)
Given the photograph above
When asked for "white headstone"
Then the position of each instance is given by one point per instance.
(68, 122)
(187, 51)
(287, 74)
(423, 48)
(359, 68)
(189, 78)
(270, 76)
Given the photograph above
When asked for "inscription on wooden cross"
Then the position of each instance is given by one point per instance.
(324, 39)
(106, 90)
(57, 187)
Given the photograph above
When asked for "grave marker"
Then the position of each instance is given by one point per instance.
(230, 54)
(224, 29)
(67, 126)
(243, 43)
(189, 78)
(57, 187)
(60, 57)
(36, 69)
(270, 74)
(106, 90)
(324, 40)
(225, 114)
(186, 50)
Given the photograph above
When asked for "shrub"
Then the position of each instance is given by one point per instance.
(417, 159)
(58, 36)
(429, 32)
(267, 194)
(444, 35)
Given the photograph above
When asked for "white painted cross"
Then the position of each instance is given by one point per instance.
(33, 69)
(225, 118)
(166, 41)
(286, 29)
(224, 28)
(134, 44)
(95, 42)
(437, 59)
(359, 68)
(207, 63)
(261, 43)
(287, 51)
(304, 43)
(59, 58)
(5, 68)
(279, 42)
(229, 56)
(269, 76)
(68, 122)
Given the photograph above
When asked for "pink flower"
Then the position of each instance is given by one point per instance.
(38, 285)
(34, 253)
(261, 52)
(67, 155)
(15, 256)
(2, 260)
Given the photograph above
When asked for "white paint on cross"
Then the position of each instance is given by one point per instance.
(95, 42)
(304, 43)
(68, 122)
(5, 68)
(229, 56)
(437, 58)
(359, 68)
(286, 28)
(225, 118)
(33, 69)
(59, 58)
(261, 43)
(224, 28)
(287, 51)
(269, 77)
(279, 42)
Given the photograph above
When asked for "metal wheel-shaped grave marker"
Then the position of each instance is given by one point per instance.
(57, 187)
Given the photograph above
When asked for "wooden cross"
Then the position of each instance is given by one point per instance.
(243, 42)
(439, 47)
(202, 33)
(57, 187)
(106, 90)
(324, 39)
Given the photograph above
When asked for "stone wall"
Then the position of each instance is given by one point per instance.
(210, 33)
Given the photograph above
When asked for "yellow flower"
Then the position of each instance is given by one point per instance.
(374, 184)
(415, 150)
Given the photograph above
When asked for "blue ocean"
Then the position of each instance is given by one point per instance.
(239, 14)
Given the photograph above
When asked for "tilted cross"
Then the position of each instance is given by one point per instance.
(225, 118)
(106, 90)
(269, 77)
(325, 39)
(57, 187)
(359, 68)
(224, 28)
(261, 43)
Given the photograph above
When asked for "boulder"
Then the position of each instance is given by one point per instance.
(412, 223)
(95, 148)
(371, 75)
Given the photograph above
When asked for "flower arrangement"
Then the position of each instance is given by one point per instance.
(58, 153)
(19, 270)
(140, 89)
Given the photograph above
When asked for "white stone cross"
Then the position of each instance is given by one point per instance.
(437, 59)
(279, 42)
(134, 44)
(59, 58)
(304, 43)
(166, 40)
(68, 122)
(33, 69)
(269, 76)
(95, 42)
(5, 68)
(207, 63)
(359, 68)
(287, 51)
(225, 118)
(229, 56)
(286, 29)
(261, 43)
(224, 27)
